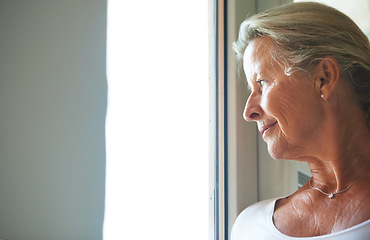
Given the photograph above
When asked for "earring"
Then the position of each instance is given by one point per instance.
(322, 95)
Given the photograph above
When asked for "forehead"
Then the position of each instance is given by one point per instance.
(257, 59)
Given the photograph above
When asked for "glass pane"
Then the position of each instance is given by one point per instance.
(157, 120)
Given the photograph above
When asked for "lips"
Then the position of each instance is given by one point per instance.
(266, 127)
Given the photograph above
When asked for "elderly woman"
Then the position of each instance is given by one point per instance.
(308, 69)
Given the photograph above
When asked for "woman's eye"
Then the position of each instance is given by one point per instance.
(261, 82)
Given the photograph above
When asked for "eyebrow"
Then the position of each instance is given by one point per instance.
(251, 82)
(250, 85)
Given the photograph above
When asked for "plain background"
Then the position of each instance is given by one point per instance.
(52, 115)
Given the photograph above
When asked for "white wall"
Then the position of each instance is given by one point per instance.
(52, 115)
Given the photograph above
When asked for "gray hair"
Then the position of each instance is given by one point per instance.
(306, 32)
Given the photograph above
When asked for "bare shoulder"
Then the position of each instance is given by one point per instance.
(308, 213)
(291, 218)
(353, 208)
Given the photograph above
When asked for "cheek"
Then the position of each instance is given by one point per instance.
(294, 110)
(281, 103)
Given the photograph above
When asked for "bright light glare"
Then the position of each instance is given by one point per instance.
(157, 120)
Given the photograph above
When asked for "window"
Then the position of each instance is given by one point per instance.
(157, 120)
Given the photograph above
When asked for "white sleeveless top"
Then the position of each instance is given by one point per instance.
(256, 223)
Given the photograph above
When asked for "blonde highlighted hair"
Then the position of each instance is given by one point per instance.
(306, 32)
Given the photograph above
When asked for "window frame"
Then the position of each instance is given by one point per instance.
(234, 147)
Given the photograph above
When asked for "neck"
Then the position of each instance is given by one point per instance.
(344, 156)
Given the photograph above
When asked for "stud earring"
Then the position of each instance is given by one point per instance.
(322, 95)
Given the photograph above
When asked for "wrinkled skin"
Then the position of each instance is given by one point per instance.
(288, 101)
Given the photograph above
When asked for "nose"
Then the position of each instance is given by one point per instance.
(253, 110)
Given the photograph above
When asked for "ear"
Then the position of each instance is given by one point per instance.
(327, 77)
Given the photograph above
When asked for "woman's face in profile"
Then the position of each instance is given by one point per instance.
(287, 109)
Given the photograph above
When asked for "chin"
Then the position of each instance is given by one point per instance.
(276, 152)
(275, 156)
